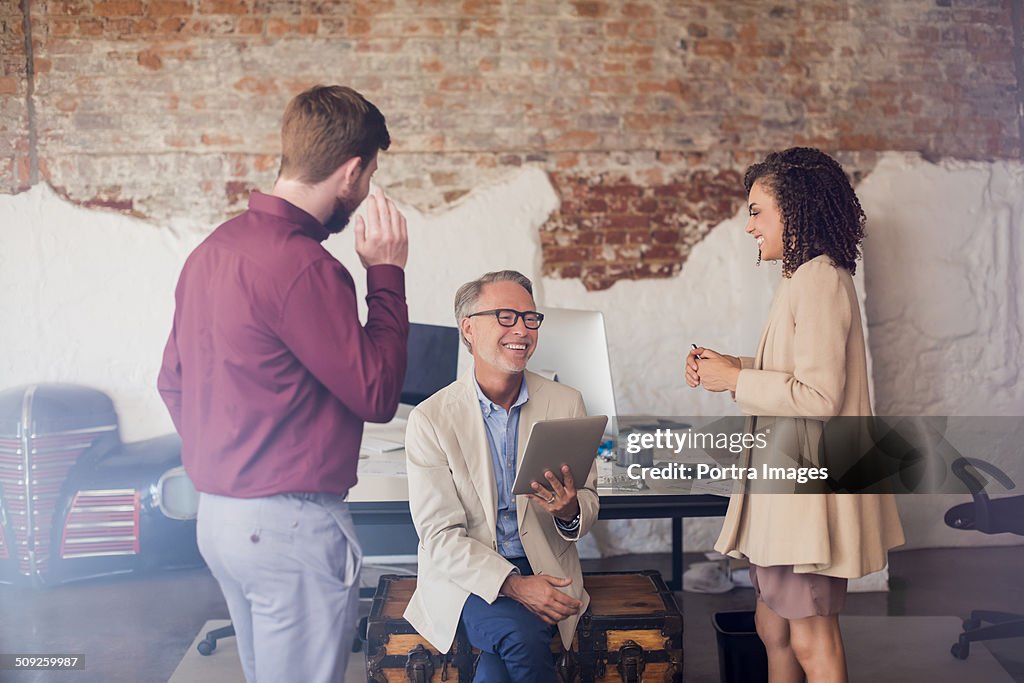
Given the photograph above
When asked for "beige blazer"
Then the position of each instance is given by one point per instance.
(454, 507)
(810, 362)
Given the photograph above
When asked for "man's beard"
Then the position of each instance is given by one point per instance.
(340, 217)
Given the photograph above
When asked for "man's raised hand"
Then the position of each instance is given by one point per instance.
(382, 238)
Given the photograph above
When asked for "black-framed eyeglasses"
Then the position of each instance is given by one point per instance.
(508, 317)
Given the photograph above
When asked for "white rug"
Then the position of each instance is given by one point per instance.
(222, 665)
(879, 650)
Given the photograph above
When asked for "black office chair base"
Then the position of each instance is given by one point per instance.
(1000, 516)
(208, 644)
(1003, 625)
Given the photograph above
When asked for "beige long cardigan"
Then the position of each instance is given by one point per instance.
(810, 362)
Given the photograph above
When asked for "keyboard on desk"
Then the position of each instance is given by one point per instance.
(379, 445)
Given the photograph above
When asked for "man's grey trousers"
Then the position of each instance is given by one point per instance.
(288, 566)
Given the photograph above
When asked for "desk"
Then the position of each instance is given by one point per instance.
(382, 497)
(613, 506)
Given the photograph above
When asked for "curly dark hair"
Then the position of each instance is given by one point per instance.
(820, 211)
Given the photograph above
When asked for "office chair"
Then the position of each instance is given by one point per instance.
(1000, 516)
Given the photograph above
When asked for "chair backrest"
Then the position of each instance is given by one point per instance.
(1002, 515)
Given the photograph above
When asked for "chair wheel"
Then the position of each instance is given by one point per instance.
(206, 648)
(971, 624)
(960, 650)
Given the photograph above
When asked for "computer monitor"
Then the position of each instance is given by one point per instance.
(573, 346)
(432, 361)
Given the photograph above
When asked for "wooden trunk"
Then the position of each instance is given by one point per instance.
(395, 653)
(632, 632)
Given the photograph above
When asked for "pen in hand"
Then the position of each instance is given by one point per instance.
(694, 347)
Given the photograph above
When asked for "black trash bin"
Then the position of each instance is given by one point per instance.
(741, 654)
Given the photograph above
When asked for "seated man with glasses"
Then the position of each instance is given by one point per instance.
(508, 564)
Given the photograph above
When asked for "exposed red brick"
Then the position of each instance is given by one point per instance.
(665, 236)
(589, 8)
(90, 27)
(635, 10)
(223, 7)
(117, 8)
(461, 83)
(66, 104)
(573, 270)
(644, 229)
(168, 8)
(220, 140)
(67, 7)
(250, 25)
(236, 191)
(661, 251)
(172, 25)
(255, 85)
(150, 59)
(721, 49)
(617, 29)
(628, 221)
(566, 254)
(358, 27)
(265, 162)
(573, 140)
(643, 111)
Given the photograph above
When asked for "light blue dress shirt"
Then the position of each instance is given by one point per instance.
(502, 429)
(503, 438)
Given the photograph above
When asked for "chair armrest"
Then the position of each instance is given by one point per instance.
(982, 517)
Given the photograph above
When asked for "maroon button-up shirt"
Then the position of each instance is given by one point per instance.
(267, 373)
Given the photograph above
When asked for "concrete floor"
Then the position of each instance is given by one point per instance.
(137, 628)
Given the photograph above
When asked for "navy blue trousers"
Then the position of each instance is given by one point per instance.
(514, 643)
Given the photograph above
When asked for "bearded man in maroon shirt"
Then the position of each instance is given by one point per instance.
(269, 377)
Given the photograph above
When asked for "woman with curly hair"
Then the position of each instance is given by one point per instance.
(810, 363)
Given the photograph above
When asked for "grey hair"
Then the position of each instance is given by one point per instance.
(469, 294)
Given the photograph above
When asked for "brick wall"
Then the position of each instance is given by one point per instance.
(14, 137)
(644, 113)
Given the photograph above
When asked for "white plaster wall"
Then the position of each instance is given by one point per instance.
(88, 297)
(944, 301)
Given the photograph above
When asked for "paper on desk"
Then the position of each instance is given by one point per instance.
(381, 467)
(718, 487)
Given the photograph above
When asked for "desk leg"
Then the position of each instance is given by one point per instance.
(675, 582)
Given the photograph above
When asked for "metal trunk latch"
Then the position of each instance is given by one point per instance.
(419, 667)
(567, 667)
(631, 662)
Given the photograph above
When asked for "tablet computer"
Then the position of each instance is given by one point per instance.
(572, 441)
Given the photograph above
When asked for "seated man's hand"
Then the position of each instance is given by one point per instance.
(561, 500)
(540, 595)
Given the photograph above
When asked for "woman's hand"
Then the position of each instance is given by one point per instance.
(692, 374)
(715, 371)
